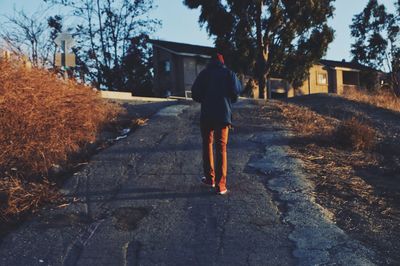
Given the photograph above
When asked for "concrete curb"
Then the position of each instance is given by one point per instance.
(117, 95)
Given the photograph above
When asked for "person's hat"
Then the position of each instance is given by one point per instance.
(219, 57)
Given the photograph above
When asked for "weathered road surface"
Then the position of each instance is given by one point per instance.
(140, 203)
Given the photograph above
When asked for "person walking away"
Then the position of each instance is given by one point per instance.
(216, 88)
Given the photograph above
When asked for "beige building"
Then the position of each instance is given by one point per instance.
(325, 77)
(330, 77)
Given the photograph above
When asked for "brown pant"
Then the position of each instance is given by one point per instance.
(221, 139)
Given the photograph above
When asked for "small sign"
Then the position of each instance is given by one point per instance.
(69, 60)
(66, 39)
(65, 58)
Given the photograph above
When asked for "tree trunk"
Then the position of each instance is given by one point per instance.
(396, 84)
(262, 56)
(92, 45)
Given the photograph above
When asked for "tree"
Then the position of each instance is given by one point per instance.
(55, 24)
(377, 40)
(104, 34)
(279, 37)
(136, 67)
(27, 34)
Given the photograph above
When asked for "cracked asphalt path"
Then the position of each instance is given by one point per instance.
(140, 203)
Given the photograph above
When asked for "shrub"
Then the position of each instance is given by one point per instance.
(44, 119)
(352, 133)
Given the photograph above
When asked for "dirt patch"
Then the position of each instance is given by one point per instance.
(360, 186)
(127, 218)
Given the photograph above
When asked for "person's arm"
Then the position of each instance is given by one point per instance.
(236, 88)
(197, 89)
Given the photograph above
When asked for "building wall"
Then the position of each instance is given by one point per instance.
(184, 70)
(179, 77)
(189, 72)
(312, 84)
(316, 85)
(335, 80)
(332, 87)
(192, 66)
(350, 80)
(163, 81)
(339, 82)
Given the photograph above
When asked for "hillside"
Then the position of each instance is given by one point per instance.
(359, 184)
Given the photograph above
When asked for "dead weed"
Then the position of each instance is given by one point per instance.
(44, 121)
(384, 99)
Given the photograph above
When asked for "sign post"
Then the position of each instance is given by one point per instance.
(65, 59)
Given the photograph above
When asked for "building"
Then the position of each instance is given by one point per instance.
(176, 65)
(327, 76)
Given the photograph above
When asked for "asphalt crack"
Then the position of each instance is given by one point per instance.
(132, 251)
(221, 235)
(74, 251)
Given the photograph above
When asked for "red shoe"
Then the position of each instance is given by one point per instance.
(207, 182)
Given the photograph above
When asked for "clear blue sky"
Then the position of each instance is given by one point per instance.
(180, 24)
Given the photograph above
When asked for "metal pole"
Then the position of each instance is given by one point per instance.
(63, 52)
(63, 60)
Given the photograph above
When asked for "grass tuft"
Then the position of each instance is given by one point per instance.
(357, 135)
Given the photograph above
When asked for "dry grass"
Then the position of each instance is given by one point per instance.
(44, 119)
(349, 133)
(305, 121)
(353, 133)
(383, 99)
(140, 122)
(20, 196)
(44, 122)
(359, 184)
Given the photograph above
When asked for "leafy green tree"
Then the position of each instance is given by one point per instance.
(377, 39)
(269, 37)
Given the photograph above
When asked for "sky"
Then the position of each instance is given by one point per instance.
(180, 24)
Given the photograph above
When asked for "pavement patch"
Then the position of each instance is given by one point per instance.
(128, 218)
(173, 110)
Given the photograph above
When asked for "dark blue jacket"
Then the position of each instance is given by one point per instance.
(216, 88)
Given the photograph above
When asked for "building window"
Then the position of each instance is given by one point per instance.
(322, 78)
(167, 66)
(350, 78)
